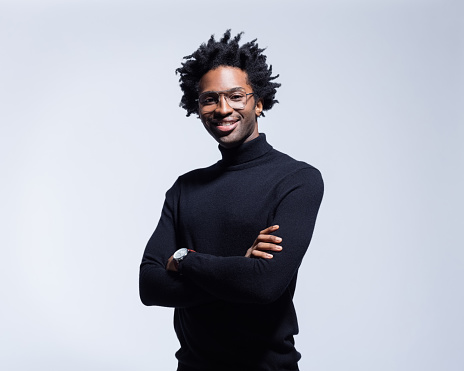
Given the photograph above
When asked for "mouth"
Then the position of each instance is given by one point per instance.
(226, 125)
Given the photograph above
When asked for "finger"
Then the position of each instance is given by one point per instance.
(268, 238)
(264, 246)
(261, 254)
(270, 229)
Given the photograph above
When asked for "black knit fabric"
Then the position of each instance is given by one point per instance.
(232, 312)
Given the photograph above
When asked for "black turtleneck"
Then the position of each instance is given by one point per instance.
(232, 312)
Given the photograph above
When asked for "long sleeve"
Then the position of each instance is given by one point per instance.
(218, 211)
(249, 280)
(158, 286)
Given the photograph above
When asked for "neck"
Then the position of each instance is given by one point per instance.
(245, 152)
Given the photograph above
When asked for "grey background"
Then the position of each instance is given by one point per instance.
(92, 137)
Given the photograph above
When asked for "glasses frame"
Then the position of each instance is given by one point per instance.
(211, 108)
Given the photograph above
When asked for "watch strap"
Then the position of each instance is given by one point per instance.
(177, 261)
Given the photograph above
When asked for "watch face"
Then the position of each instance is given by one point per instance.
(179, 254)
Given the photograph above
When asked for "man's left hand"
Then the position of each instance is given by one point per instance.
(171, 265)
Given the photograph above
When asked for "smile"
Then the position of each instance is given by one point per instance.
(226, 126)
(225, 122)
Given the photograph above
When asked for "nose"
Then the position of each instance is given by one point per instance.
(223, 107)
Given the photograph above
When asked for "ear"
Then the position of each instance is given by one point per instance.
(259, 108)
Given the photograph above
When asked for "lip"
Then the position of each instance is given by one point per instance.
(225, 126)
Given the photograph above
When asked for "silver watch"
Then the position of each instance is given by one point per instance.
(180, 255)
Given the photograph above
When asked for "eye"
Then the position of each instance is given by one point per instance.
(236, 96)
(208, 100)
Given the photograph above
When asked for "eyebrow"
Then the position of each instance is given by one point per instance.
(223, 91)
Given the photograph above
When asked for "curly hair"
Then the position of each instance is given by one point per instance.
(227, 52)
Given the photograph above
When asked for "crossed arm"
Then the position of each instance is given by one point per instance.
(257, 277)
(264, 243)
(174, 291)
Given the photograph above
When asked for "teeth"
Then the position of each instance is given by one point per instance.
(224, 123)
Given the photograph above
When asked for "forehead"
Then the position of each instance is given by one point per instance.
(224, 78)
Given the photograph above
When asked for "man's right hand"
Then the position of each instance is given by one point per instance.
(265, 242)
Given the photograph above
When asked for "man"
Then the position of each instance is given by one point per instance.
(231, 237)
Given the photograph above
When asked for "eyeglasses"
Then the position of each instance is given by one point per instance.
(236, 98)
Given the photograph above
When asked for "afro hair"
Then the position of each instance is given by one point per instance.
(227, 52)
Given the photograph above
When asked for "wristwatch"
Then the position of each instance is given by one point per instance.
(180, 255)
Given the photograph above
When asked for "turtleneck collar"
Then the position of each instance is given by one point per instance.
(246, 152)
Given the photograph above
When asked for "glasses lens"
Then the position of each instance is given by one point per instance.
(236, 99)
(209, 99)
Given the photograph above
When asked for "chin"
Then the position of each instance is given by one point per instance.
(229, 143)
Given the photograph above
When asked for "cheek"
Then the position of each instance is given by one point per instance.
(202, 119)
(251, 116)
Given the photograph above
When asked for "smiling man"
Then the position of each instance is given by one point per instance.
(231, 237)
(233, 121)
